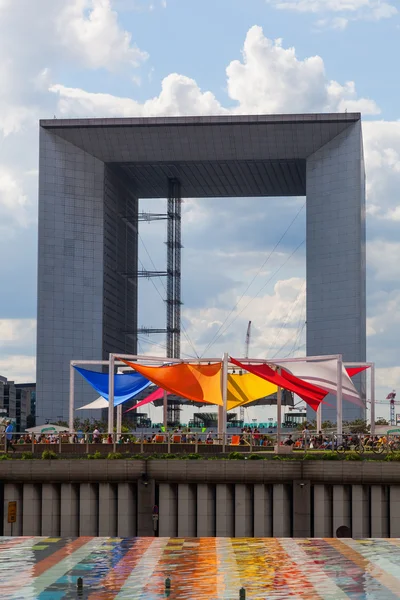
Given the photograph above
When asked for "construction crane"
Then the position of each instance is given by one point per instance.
(246, 355)
(390, 399)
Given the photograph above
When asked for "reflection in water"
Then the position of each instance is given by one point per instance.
(199, 568)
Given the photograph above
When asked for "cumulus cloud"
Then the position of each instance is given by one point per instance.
(89, 29)
(17, 349)
(269, 79)
(374, 10)
(15, 207)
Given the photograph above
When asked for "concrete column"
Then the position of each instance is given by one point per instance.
(379, 512)
(360, 511)
(168, 510)
(69, 510)
(186, 510)
(31, 509)
(51, 508)
(243, 511)
(301, 509)
(145, 503)
(341, 507)
(13, 493)
(281, 517)
(336, 304)
(394, 511)
(224, 510)
(88, 509)
(322, 511)
(107, 510)
(205, 510)
(127, 507)
(262, 510)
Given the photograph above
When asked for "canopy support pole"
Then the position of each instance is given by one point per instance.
(119, 421)
(339, 398)
(278, 413)
(372, 399)
(71, 396)
(165, 410)
(224, 393)
(319, 418)
(111, 394)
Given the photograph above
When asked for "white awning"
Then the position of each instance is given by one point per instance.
(96, 404)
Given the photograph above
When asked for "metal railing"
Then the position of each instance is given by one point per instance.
(192, 442)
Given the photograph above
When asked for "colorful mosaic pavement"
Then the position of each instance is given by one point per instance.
(200, 569)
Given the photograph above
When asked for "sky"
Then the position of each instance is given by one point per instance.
(243, 259)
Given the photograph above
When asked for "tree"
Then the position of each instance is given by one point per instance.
(357, 426)
(381, 421)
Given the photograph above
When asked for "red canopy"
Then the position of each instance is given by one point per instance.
(311, 394)
(351, 371)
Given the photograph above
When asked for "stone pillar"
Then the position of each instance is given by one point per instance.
(88, 510)
(69, 510)
(336, 272)
(341, 506)
(51, 507)
(243, 511)
(31, 511)
(301, 509)
(107, 510)
(322, 511)
(127, 507)
(145, 503)
(360, 511)
(186, 510)
(379, 512)
(224, 509)
(205, 510)
(394, 511)
(281, 517)
(262, 510)
(13, 493)
(168, 510)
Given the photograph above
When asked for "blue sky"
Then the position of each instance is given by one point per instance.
(151, 57)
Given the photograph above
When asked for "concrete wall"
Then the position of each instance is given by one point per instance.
(201, 499)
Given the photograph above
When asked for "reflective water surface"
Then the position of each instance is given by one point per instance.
(198, 568)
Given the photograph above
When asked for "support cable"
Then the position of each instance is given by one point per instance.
(254, 278)
(253, 298)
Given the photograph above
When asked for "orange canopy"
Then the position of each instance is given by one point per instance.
(201, 383)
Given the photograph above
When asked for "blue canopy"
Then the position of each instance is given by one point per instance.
(126, 385)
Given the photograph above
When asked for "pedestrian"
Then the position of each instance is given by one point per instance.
(9, 436)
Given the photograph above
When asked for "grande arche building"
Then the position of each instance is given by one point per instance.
(92, 174)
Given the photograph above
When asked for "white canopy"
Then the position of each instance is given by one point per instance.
(96, 404)
(323, 374)
(48, 428)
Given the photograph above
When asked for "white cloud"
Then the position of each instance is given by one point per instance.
(89, 29)
(357, 9)
(270, 79)
(179, 95)
(383, 257)
(15, 207)
(17, 339)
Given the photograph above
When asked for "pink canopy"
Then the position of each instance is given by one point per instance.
(156, 395)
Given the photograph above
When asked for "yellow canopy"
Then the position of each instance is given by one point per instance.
(245, 388)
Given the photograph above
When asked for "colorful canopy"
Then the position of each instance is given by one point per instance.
(323, 373)
(126, 386)
(246, 388)
(156, 395)
(311, 394)
(197, 382)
